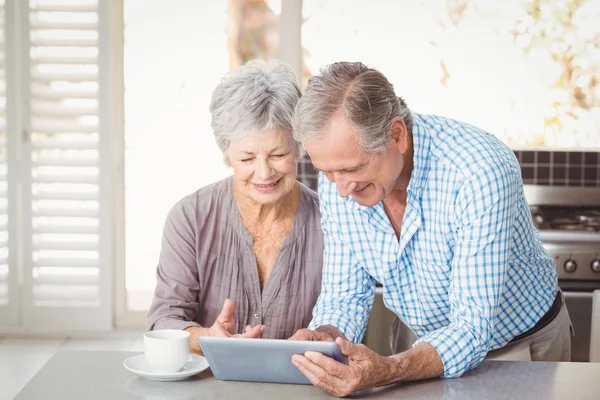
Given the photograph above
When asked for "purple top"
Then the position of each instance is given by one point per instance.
(207, 256)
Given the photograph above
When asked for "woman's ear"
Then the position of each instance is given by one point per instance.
(226, 160)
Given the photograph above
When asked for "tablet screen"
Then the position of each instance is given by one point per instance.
(261, 360)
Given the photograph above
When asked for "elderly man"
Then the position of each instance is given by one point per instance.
(434, 210)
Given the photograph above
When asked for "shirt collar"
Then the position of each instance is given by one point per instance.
(421, 133)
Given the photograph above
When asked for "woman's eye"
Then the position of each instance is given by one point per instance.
(247, 159)
(278, 155)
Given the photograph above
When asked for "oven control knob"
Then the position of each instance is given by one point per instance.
(596, 265)
(570, 266)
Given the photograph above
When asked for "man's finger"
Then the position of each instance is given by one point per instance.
(318, 376)
(347, 348)
(331, 366)
(302, 334)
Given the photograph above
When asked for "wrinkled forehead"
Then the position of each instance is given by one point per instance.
(262, 141)
(336, 147)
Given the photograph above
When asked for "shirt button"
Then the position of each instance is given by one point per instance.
(255, 316)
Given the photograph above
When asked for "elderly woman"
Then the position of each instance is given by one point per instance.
(243, 256)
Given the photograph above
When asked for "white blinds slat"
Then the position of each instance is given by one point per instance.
(67, 127)
(71, 8)
(65, 144)
(65, 60)
(67, 245)
(46, 194)
(67, 262)
(60, 42)
(66, 212)
(65, 112)
(49, 77)
(78, 26)
(66, 162)
(66, 229)
(66, 178)
(66, 279)
(51, 94)
(59, 294)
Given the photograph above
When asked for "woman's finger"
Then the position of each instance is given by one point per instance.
(253, 333)
(218, 330)
(225, 318)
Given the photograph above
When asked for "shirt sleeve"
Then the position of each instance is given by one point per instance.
(347, 290)
(485, 208)
(175, 303)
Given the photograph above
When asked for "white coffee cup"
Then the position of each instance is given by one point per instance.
(167, 350)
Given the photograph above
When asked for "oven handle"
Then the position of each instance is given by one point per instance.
(567, 293)
(583, 295)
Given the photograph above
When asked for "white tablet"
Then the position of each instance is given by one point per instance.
(261, 360)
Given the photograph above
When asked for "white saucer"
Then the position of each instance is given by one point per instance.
(139, 366)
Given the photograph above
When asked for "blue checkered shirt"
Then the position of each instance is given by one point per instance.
(469, 272)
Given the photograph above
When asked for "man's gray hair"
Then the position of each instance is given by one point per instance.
(258, 96)
(364, 96)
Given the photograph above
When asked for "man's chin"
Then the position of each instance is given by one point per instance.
(366, 197)
(366, 201)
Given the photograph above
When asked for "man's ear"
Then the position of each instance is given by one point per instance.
(399, 135)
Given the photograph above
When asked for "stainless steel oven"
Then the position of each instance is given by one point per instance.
(568, 219)
(569, 223)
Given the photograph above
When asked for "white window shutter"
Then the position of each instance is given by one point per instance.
(68, 251)
(10, 304)
(4, 289)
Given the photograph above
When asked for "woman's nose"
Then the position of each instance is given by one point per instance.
(265, 170)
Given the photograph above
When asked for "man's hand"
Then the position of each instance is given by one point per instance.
(315, 336)
(223, 327)
(365, 369)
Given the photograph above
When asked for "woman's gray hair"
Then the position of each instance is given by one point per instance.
(258, 96)
(364, 96)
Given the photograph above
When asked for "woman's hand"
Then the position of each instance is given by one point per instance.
(223, 325)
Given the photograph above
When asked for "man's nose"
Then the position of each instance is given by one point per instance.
(344, 186)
